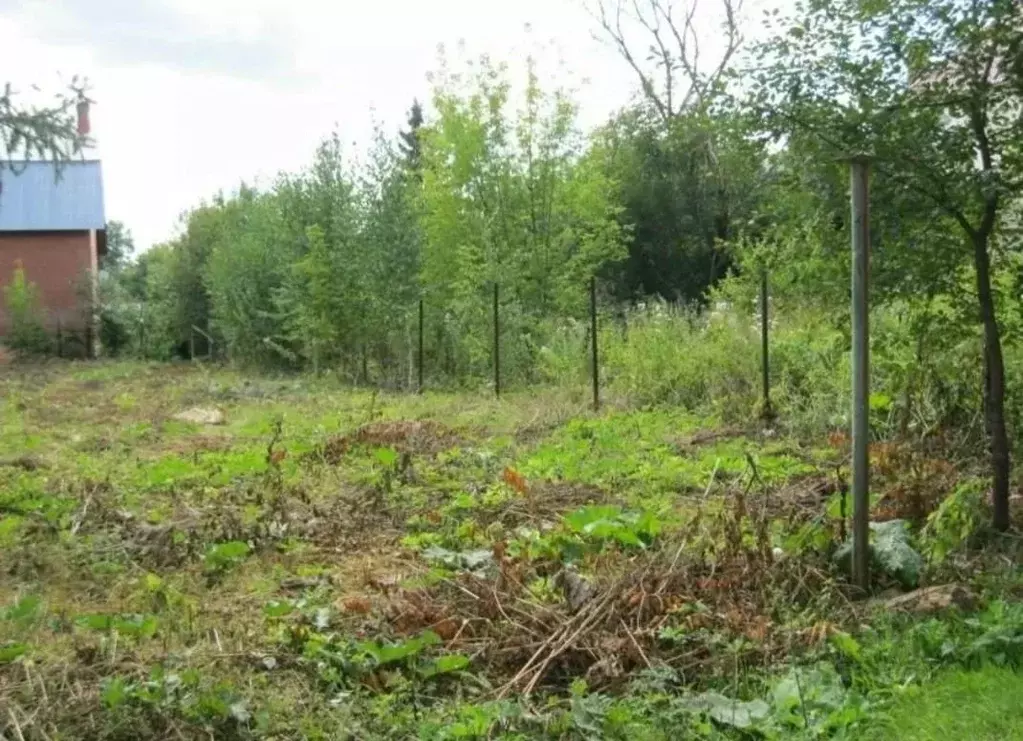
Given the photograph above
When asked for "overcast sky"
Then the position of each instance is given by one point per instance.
(193, 96)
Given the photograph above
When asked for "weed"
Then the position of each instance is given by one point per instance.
(336, 564)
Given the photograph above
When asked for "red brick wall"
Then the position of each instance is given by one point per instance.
(58, 262)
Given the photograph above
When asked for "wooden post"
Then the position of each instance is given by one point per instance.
(419, 364)
(60, 339)
(768, 413)
(497, 346)
(593, 343)
(859, 181)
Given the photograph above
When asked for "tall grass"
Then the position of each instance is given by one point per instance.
(925, 378)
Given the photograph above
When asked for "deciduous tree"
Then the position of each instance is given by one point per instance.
(926, 88)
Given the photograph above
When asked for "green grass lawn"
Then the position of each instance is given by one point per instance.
(985, 705)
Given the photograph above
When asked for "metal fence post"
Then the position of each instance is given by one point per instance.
(764, 357)
(594, 359)
(859, 180)
(497, 345)
(419, 363)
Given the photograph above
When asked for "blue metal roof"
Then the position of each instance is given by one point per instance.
(34, 198)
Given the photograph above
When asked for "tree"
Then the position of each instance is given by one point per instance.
(689, 172)
(47, 131)
(120, 247)
(411, 147)
(670, 71)
(27, 331)
(513, 200)
(684, 198)
(311, 318)
(926, 87)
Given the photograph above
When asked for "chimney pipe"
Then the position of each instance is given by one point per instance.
(83, 117)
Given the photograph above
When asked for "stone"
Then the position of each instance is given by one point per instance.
(576, 589)
(934, 599)
(201, 416)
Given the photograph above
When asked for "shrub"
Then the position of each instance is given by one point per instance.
(26, 328)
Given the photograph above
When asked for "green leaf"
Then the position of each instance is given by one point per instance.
(890, 552)
(894, 553)
(735, 713)
(276, 609)
(25, 610)
(386, 456)
(222, 555)
(445, 665)
(11, 651)
(95, 621)
(880, 402)
(139, 626)
(586, 518)
(395, 652)
(114, 692)
(846, 645)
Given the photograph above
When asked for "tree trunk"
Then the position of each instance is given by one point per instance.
(994, 385)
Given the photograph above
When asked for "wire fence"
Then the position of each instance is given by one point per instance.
(434, 349)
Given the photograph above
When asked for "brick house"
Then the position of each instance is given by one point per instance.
(53, 225)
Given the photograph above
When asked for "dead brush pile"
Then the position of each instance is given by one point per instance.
(714, 584)
(420, 437)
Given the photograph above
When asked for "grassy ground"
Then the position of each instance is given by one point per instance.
(337, 563)
(982, 705)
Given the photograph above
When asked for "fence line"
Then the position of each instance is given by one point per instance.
(541, 346)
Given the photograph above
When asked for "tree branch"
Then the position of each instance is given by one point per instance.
(617, 36)
(662, 25)
(655, 30)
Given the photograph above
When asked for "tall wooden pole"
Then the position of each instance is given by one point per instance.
(764, 358)
(419, 359)
(859, 180)
(593, 343)
(497, 346)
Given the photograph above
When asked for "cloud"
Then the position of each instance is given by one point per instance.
(141, 32)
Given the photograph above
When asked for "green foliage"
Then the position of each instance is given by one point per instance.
(890, 552)
(957, 519)
(325, 269)
(24, 612)
(120, 246)
(223, 556)
(981, 705)
(41, 131)
(609, 523)
(402, 652)
(135, 626)
(688, 187)
(26, 326)
(187, 696)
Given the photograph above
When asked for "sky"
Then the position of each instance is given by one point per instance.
(194, 96)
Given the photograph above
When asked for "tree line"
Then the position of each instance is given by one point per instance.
(721, 169)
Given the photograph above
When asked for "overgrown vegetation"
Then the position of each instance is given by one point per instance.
(26, 330)
(316, 562)
(290, 545)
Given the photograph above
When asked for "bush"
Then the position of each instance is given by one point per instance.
(26, 327)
